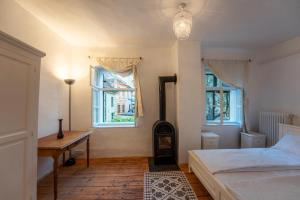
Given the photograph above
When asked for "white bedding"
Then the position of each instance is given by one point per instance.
(227, 178)
(247, 160)
(273, 188)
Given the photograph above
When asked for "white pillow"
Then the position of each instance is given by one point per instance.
(289, 143)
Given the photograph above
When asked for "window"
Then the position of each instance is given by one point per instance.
(223, 101)
(113, 99)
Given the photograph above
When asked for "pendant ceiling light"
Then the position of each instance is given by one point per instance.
(182, 23)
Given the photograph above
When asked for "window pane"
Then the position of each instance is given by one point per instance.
(235, 106)
(226, 105)
(217, 110)
(218, 82)
(212, 81)
(209, 106)
(213, 105)
(209, 80)
(122, 109)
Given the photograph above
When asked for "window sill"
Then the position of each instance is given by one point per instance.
(224, 124)
(115, 126)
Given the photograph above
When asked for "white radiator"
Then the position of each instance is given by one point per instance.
(269, 124)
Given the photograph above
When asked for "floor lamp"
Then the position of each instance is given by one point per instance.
(71, 160)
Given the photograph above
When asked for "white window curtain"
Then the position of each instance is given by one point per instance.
(122, 66)
(234, 73)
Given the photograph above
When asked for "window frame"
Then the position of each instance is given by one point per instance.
(95, 88)
(221, 89)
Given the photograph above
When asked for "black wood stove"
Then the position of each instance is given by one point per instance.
(164, 134)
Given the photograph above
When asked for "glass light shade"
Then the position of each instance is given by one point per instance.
(182, 24)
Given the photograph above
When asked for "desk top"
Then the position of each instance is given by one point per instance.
(70, 137)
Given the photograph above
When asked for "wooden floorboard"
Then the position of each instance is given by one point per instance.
(106, 179)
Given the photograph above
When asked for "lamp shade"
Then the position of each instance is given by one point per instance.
(182, 23)
(69, 81)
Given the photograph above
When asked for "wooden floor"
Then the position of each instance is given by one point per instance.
(107, 178)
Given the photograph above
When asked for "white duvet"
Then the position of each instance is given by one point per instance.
(247, 160)
(274, 188)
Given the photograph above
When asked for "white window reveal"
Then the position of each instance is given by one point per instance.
(223, 101)
(113, 99)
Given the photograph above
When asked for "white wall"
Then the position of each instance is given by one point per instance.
(226, 53)
(275, 78)
(278, 51)
(17, 22)
(253, 95)
(280, 86)
(117, 142)
(189, 97)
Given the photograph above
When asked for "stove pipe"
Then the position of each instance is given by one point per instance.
(162, 94)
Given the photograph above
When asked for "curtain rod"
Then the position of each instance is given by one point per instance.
(249, 60)
(117, 57)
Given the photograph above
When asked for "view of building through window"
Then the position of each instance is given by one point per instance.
(223, 102)
(113, 99)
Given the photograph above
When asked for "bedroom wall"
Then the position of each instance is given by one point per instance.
(280, 86)
(189, 97)
(277, 77)
(19, 23)
(118, 142)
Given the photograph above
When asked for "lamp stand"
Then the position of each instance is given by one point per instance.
(71, 161)
(70, 102)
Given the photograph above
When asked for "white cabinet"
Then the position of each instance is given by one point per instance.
(19, 89)
(253, 140)
(210, 140)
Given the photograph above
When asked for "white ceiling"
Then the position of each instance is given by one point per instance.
(249, 24)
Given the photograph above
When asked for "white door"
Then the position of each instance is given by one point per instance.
(19, 84)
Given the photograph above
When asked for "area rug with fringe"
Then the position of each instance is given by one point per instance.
(168, 185)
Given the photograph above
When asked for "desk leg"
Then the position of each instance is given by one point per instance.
(88, 152)
(55, 169)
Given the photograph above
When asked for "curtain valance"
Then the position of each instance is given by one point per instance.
(230, 71)
(117, 65)
(123, 67)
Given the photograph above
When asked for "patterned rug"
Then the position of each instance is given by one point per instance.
(169, 185)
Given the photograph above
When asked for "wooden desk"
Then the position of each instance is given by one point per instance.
(50, 146)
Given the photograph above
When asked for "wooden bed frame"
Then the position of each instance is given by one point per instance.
(213, 185)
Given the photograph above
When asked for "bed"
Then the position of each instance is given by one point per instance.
(250, 173)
